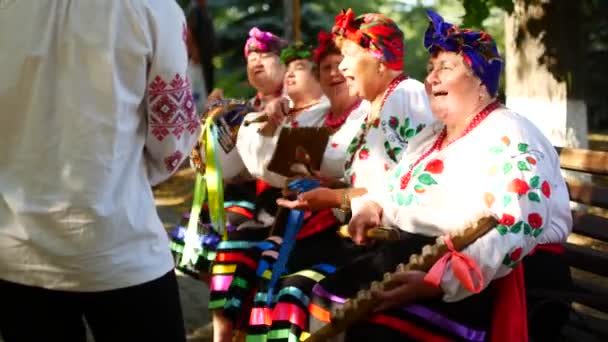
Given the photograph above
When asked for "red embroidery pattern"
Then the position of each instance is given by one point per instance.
(171, 107)
(172, 161)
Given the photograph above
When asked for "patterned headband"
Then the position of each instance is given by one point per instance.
(374, 32)
(476, 47)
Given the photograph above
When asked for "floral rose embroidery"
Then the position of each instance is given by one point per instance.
(518, 186)
(535, 220)
(507, 220)
(546, 189)
(435, 166)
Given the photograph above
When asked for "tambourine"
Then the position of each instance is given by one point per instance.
(227, 116)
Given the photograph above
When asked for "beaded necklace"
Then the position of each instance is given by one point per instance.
(437, 144)
(335, 124)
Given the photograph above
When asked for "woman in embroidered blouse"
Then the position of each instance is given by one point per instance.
(256, 142)
(345, 115)
(480, 159)
(373, 50)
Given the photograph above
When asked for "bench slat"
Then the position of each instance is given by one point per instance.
(589, 225)
(587, 193)
(595, 162)
(586, 259)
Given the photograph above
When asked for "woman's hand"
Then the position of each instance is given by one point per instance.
(276, 110)
(412, 288)
(313, 200)
(369, 216)
(216, 95)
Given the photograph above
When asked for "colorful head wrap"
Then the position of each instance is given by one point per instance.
(261, 41)
(374, 32)
(295, 51)
(476, 47)
(326, 46)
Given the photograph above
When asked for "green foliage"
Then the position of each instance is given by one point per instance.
(232, 20)
(476, 11)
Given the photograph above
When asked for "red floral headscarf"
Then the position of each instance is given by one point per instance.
(374, 32)
(326, 46)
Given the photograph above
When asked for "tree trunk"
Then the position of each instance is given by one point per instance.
(544, 74)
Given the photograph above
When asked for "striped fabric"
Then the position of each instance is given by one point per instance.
(307, 297)
(244, 267)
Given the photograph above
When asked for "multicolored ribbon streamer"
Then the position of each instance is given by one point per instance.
(210, 187)
(191, 239)
(464, 268)
(293, 226)
(214, 180)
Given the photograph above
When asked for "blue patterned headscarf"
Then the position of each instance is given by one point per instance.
(476, 47)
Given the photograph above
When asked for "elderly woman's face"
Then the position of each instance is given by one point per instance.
(299, 77)
(452, 87)
(265, 70)
(332, 81)
(360, 69)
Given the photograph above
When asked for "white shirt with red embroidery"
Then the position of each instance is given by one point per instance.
(504, 167)
(257, 150)
(97, 109)
(379, 144)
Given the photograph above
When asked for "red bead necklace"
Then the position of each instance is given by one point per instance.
(335, 124)
(437, 144)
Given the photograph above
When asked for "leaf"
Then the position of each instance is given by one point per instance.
(507, 260)
(523, 166)
(398, 171)
(402, 131)
(426, 179)
(396, 153)
(417, 170)
(502, 229)
(535, 182)
(406, 123)
(527, 229)
(400, 199)
(497, 149)
(391, 188)
(521, 147)
(533, 196)
(537, 232)
(517, 227)
(409, 199)
(507, 168)
(506, 200)
(410, 133)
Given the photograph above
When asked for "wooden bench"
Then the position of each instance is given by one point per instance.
(586, 251)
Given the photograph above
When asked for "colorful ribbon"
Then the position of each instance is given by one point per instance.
(213, 178)
(294, 224)
(210, 187)
(464, 268)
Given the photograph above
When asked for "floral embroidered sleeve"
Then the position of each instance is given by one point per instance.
(519, 193)
(405, 113)
(173, 125)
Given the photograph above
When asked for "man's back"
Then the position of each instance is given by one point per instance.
(96, 108)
